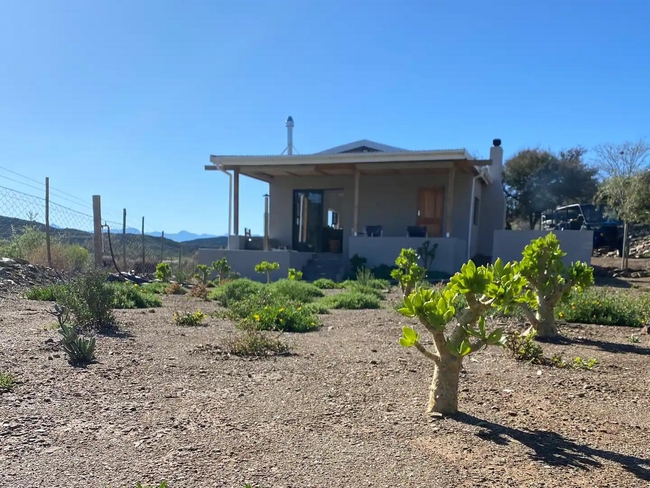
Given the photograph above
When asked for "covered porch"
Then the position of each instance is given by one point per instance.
(370, 204)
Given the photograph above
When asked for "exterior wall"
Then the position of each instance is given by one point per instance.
(387, 200)
(493, 204)
(509, 244)
(244, 262)
(450, 254)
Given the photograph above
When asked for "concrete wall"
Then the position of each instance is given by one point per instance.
(243, 262)
(509, 244)
(387, 200)
(450, 254)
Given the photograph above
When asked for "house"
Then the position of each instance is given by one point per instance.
(366, 199)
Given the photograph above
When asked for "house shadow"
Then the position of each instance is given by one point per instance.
(553, 449)
(612, 347)
(611, 282)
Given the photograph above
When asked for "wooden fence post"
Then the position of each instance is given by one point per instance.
(124, 240)
(47, 222)
(162, 246)
(143, 251)
(97, 237)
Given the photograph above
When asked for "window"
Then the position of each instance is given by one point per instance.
(477, 204)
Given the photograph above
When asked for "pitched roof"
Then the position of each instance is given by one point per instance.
(361, 146)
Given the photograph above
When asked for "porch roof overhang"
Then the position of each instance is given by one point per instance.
(266, 168)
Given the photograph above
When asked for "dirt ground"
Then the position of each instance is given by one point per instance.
(346, 410)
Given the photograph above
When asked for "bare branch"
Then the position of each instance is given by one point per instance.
(623, 160)
(431, 355)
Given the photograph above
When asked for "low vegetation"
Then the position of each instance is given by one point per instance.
(163, 272)
(299, 291)
(189, 319)
(79, 349)
(293, 274)
(326, 284)
(252, 342)
(268, 268)
(352, 300)
(7, 382)
(235, 291)
(523, 347)
(200, 290)
(604, 306)
(29, 243)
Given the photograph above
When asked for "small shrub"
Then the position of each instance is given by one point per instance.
(76, 258)
(199, 291)
(427, 252)
(203, 273)
(79, 349)
(294, 275)
(7, 382)
(317, 308)
(580, 363)
(523, 347)
(235, 291)
(163, 272)
(49, 293)
(268, 268)
(289, 317)
(352, 300)
(257, 343)
(606, 307)
(634, 339)
(296, 290)
(162, 484)
(175, 289)
(356, 287)
(189, 319)
(408, 272)
(326, 284)
(90, 299)
(549, 281)
(222, 268)
(129, 295)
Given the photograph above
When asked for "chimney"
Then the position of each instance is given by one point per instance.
(496, 155)
(290, 136)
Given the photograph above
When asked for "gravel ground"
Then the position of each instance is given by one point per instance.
(345, 410)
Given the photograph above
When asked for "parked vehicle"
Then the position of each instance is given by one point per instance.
(608, 230)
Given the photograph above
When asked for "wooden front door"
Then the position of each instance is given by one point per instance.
(431, 203)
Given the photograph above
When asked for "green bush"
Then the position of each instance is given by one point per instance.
(318, 308)
(606, 307)
(76, 258)
(49, 293)
(367, 289)
(293, 274)
(189, 319)
(299, 291)
(235, 291)
(79, 349)
(326, 284)
(352, 300)
(163, 272)
(7, 382)
(289, 317)
(128, 295)
(90, 299)
(254, 342)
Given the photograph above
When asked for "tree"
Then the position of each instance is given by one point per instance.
(626, 184)
(536, 180)
(548, 280)
(221, 267)
(457, 333)
(268, 268)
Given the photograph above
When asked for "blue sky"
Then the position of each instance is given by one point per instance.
(128, 99)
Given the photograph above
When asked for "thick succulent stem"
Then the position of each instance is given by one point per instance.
(545, 326)
(443, 396)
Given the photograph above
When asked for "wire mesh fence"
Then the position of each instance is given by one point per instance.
(47, 233)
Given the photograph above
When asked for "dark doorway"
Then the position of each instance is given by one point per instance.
(308, 220)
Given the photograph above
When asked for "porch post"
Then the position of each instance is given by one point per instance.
(236, 202)
(449, 200)
(357, 179)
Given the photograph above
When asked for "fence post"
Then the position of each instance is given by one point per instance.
(124, 240)
(47, 222)
(143, 251)
(97, 237)
(162, 246)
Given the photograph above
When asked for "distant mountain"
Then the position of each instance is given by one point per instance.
(182, 236)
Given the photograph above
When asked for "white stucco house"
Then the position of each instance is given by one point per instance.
(368, 199)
